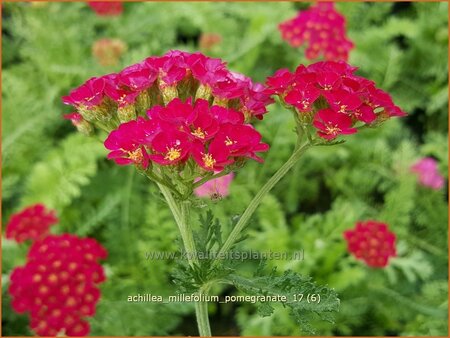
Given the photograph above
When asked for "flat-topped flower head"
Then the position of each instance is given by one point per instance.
(428, 173)
(106, 8)
(332, 97)
(322, 28)
(107, 100)
(58, 285)
(372, 242)
(31, 223)
(212, 136)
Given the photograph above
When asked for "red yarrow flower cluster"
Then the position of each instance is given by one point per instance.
(121, 97)
(212, 136)
(106, 8)
(372, 242)
(57, 286)
(333, 96)
(31, 223)
(322, 28)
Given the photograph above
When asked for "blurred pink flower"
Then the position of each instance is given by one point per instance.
(220, 186)
(428, 173)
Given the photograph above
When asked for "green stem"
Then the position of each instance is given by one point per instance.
(189, 243)
(181, 218)
(251, 208)
(180, 212)
(201, 312)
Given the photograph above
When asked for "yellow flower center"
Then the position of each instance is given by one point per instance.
(333, 130)
(172, 154)
(208, 160)
(229, 141)
(136, 156)
(199, 133)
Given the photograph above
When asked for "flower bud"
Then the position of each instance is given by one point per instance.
(126, 113)
(203, 92)
(80, 123)
(143, 102)
(220, 102)
(168, 92)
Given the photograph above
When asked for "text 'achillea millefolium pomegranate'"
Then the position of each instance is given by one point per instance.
(106, 8)
(372, 242)
(31, 223)
(332, 97)
(322, 28)
(176, 109)
(57, 286)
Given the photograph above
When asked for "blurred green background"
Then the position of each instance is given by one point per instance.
(402, 46)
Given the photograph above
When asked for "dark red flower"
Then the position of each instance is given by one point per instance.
(170, 146)
(337, 98)
(126, 142)
(57, 286)
(213, 159)
(280, 81)
(331, 124)
(31, 223)
(87, 95)
(372, 242)
(303, 96)
(238, 141)
(160, 80)
(106, 8)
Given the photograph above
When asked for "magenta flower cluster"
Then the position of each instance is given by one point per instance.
(333, 96)
(322, 28)
(213, 137)
(157, 80)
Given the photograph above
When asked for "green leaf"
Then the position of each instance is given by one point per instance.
(291, 285)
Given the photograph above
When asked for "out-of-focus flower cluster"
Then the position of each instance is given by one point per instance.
(208, 40)
(106, 8)
(371, 242)
(107, 52)
(57, 286)
(31, 223)
(332, 97)
(428, 173)
(322, 28)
